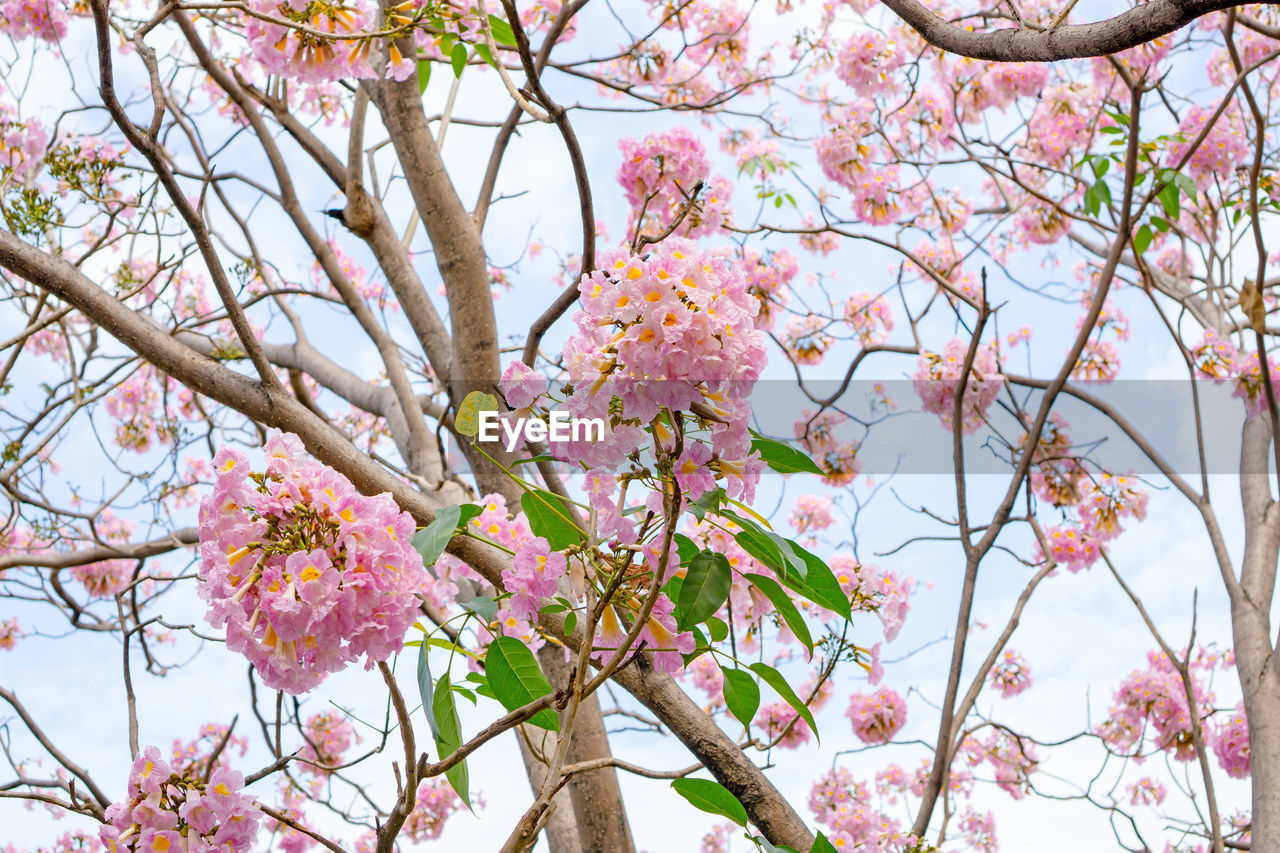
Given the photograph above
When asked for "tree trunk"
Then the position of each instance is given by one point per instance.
(1251, 628)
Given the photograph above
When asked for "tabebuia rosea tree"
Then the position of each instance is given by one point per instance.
(589, 426)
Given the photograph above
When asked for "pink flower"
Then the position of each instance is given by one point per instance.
(1230, 742)
(45, 19)
(10, 633)
(1146, 792)
(306, 574)
(1010, 675)
(811, 512)
(521, 386)
(780, 722)
(659, 174)
(435, 803)
(214, 814)
(937, 376)
(878, 717)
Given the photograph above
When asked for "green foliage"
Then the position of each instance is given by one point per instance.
(431, 540)
(705, 589)
(783, 458)
(549, 519)
(711, 797)
(741, 695)
(776, 680)
(516, 679)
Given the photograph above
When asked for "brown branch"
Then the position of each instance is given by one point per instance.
(1130, 28)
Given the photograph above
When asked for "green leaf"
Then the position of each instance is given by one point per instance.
(741, 695)
(549, 519)
(424, 75)
(426, 689)
(516, 680)
(458, 58)
(1100, 166)
(819, 584)
(686, 548)
(1169, 200)
(774, 679)
(822, 845)
(785, 606)
(1184, 183)
(1102, 192)
(783, 458)
(482, 50)
(450, 737)
(431, 540)
(711, 797)
(1142, 239)
(777, 552)
(719, 630)
(1090, 202)
(705, 588)
(1161, 224)
(709, 502)
(483, 606)
(502, 32)
(570, 622)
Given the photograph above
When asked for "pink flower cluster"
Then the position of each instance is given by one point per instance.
(811, 513)
(147, 407)
(435, 802)
(878, 717)
(671, 330)
(1040, 222)
(867, 62)
(1230, 743)
(1154, 699)
(837, 457)
(305, 573)
(870, 317)
(806, 339)
(1072, 547)
(1224, 148)
(1010, 675)
(1063, 123)
(1146, 792)
(769, 277)
(23, 143)
(845, 807)
(1011, 758)
(364, 284)
(876, 589)
(850, 161)
(105, 578)
(938, 375)
(10, 633)
(979, 830)
(329, 735)
(982, 86)
(45, 19)
(165, 811)
(782, 726)
(312, 58)
(1217, 358)
(658, 175)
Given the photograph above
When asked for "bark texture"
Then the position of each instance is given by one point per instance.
(1132, 27)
